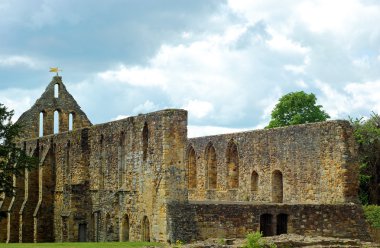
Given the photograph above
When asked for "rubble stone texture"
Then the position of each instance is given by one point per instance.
(141, 178)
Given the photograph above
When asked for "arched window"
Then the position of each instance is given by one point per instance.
(71, 121)
(232, 166)
(277, 186)
(108, 228)
(68, 169)
(145, 141)
(125, 228)
(121, 158)
(145, 230)
(254, 182)
(56, 90)
(56, 121)
(192, 167)
(211, 167)
(41, 124)
(101, 160)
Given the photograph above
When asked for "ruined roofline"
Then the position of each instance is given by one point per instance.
(263, 204)
(277, 129)
(163, 112)
(158, 112)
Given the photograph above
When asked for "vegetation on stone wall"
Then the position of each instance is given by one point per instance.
(13, 159)
(255, 240)
(367, 134)
(372, 214)
(296, 108)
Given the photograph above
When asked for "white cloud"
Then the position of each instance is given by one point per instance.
(233, 71)
(363, 95)
(19, 100)
(146, 107)
(119, 117)
(198, 131)
(198, 109)
(339, 16)
(135, 76)
(281, 43)
(16, 60)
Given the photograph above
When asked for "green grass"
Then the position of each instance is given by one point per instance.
(82, 245)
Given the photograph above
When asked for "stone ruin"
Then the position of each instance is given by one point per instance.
(141, 178)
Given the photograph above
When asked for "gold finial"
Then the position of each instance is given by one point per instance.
(55, 69)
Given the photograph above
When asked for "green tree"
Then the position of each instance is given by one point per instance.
(13, 159)
(297, 108)
(367, 135)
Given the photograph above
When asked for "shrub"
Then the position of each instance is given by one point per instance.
(372, 215)
(254, 240)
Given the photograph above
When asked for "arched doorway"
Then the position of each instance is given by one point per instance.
(125, 228)
(145, 230)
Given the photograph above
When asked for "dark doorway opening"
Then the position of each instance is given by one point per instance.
(282, 224)
(266, 225)
(82, 235)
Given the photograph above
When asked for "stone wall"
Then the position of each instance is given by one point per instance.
(107, 182)
(203, 220)
(311, 163)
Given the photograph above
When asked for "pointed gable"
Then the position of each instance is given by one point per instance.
(55, 104)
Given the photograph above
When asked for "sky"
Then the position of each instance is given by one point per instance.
(226, 62)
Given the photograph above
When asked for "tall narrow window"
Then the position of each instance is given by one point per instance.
(97, 219)
(68, 169)
(41, 125)
(145, 229)
(192, 167)
(101, 166)
(277, 186)
(211, 167)
(232, 166)
(108, 229)
(121, 158)
(56, 121)
(145, 141)
(254, 182)
(56, 90)
(125, 229)
(71, 121)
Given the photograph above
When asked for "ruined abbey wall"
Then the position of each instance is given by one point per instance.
(108, 182)
(140, 178)
(202, 220)
(311, 163)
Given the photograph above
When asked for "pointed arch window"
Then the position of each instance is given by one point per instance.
(277, 186)
(232, 166)
(254, 182)
(71, 121)
(211, 167)
(41, 124)
(56, 121)
(56, 90)
(145, 141)
(192, 168)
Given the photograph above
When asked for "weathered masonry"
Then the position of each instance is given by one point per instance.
(141, 178)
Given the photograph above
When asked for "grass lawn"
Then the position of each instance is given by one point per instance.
(83, 244)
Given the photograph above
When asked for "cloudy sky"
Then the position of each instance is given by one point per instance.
(226, 62)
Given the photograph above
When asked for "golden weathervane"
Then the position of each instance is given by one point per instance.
(55, 69)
